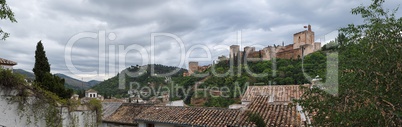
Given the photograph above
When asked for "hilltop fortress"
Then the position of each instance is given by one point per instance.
(303, 44)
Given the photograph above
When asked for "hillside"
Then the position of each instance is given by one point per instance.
(280, 72)
(109, 87)
(27, 74)
(70, 82)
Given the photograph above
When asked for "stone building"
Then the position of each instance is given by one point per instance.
(194, 67)
(303, 44)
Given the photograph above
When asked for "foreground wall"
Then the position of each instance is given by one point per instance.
(10, 117)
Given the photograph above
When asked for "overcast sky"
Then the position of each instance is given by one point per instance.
(127, 26)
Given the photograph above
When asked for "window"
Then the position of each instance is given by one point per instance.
(150, 125)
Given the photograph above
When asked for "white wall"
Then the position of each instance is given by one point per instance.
(79, 118)
(92, 94)
(9, 116)
(176, 103)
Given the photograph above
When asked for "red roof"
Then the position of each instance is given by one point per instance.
(273, 113)
(279, 92)
(195, 116)
(7, 62)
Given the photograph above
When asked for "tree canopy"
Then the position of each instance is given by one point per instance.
(370, 72)
(5, 13)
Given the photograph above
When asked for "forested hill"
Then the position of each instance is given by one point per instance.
(278, 72)
(109, 87)
(287, 71)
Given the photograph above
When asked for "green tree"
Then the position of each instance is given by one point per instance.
(44, 78)
(257, 119)
(42, 65)
(370, 70)
(5, 13)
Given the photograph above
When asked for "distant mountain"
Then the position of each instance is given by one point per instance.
(27, 74)
(70, 82)
(77, 84)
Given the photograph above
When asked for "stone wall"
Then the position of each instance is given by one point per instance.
(10, 116)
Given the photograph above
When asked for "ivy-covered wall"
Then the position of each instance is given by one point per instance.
(12, 115)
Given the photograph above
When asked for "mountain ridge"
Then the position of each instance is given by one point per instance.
(70, 82)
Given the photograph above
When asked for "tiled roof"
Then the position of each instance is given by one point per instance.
(126, 113)
(273, 114)
(108, 108)
(279, 92)
(7, 62)
(194, 116)
(90, 90)
(115, 100)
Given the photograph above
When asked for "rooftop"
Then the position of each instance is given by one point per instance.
(195, 116)
(126, 113)
(273, 114)
(279, 92)
(90, 90)
(7, 62)
(108, 108)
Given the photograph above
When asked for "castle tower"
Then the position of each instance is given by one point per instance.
(234, 51)
(248, 50)
(303, 38)
(192, 67)
(268, 53)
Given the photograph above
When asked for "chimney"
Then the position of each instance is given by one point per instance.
(309, 27)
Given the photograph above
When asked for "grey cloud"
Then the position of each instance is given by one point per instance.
(209, 23)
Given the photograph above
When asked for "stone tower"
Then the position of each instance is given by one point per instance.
(303, 38)
(234, 51)
(192, 67)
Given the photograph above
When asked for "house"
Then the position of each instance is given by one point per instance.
(272, 103)
(7, 64)
(91, 93)
(75, 97)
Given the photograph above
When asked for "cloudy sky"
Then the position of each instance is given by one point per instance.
(95, 39)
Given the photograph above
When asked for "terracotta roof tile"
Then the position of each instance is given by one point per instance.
(108, 108)
(195, 116)
(126, 113)
(274, 114)
(279, 92)
(90, 90)
(7, 62)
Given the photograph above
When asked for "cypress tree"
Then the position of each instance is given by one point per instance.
(42, 65)
(44, 78)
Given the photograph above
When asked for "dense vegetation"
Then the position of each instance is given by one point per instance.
(110, 87)
(8, 14)
(278, 72)
(370, 72)
(44, 78)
